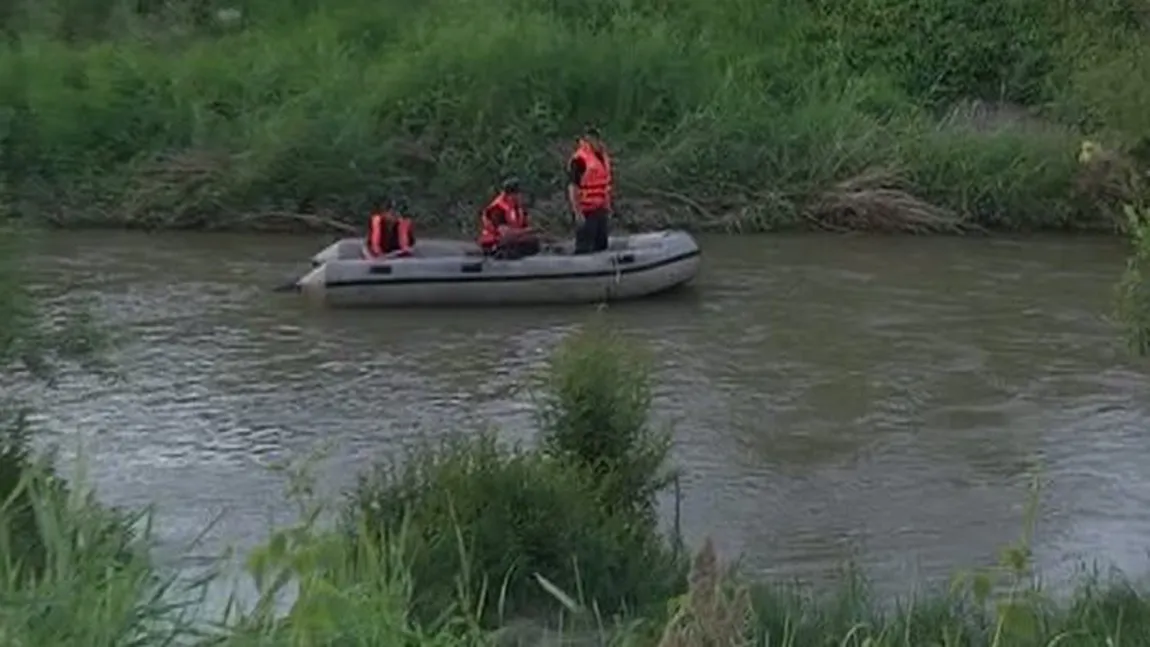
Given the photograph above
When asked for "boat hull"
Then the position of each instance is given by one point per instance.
(447, 272)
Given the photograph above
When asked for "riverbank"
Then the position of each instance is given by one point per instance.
(856, 115)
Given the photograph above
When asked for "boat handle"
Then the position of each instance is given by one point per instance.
(472, 268)
(379, 269)
(625, 259)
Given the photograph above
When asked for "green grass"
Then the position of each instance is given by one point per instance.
(724, 114)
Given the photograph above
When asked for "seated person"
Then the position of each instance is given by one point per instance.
(505, 231)
(388, 233)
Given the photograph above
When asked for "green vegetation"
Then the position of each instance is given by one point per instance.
(1134, 288)
(1125, 183)
(726, 114)
(1130, 185)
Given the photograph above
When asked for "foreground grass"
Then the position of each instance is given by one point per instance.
(363, 592)
(725, 114)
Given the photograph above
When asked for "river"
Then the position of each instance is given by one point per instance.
(882, 399)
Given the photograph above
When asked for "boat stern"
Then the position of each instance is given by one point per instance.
(313, 285)
(682, 254)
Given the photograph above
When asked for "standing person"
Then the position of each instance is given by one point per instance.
(589, 188)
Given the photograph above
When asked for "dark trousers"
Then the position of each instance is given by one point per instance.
(516, 249)
(593, 235)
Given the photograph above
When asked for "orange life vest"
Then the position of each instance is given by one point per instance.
(389, 233)
(504, 213)
(595, 188)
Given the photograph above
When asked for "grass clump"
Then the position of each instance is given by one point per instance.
(503, 516)
(594, 413)
(579, 511)
(727, 114)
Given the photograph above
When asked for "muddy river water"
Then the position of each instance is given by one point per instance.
(832, 398)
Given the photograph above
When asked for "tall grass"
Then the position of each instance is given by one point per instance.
(726, 114)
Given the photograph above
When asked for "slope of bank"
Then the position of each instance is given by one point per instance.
(723, 114)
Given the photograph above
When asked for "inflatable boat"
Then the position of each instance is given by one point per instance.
(451, 272)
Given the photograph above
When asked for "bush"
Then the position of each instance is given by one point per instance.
(594, 410)
(489, 520)
(579, 512)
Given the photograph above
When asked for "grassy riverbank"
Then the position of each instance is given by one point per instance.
(724, 114)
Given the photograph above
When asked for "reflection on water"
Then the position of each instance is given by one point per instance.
(878, 398)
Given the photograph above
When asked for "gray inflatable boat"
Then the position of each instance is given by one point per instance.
(451, 272)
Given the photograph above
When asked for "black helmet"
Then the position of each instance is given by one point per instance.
(510, 184)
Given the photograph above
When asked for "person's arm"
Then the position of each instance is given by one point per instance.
(374, 237)
(493, 216)
(495, 221)
(575, 170)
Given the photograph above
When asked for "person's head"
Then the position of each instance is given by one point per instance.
(510, 186)
(593, 137)
(400, 205)
(382, 204)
